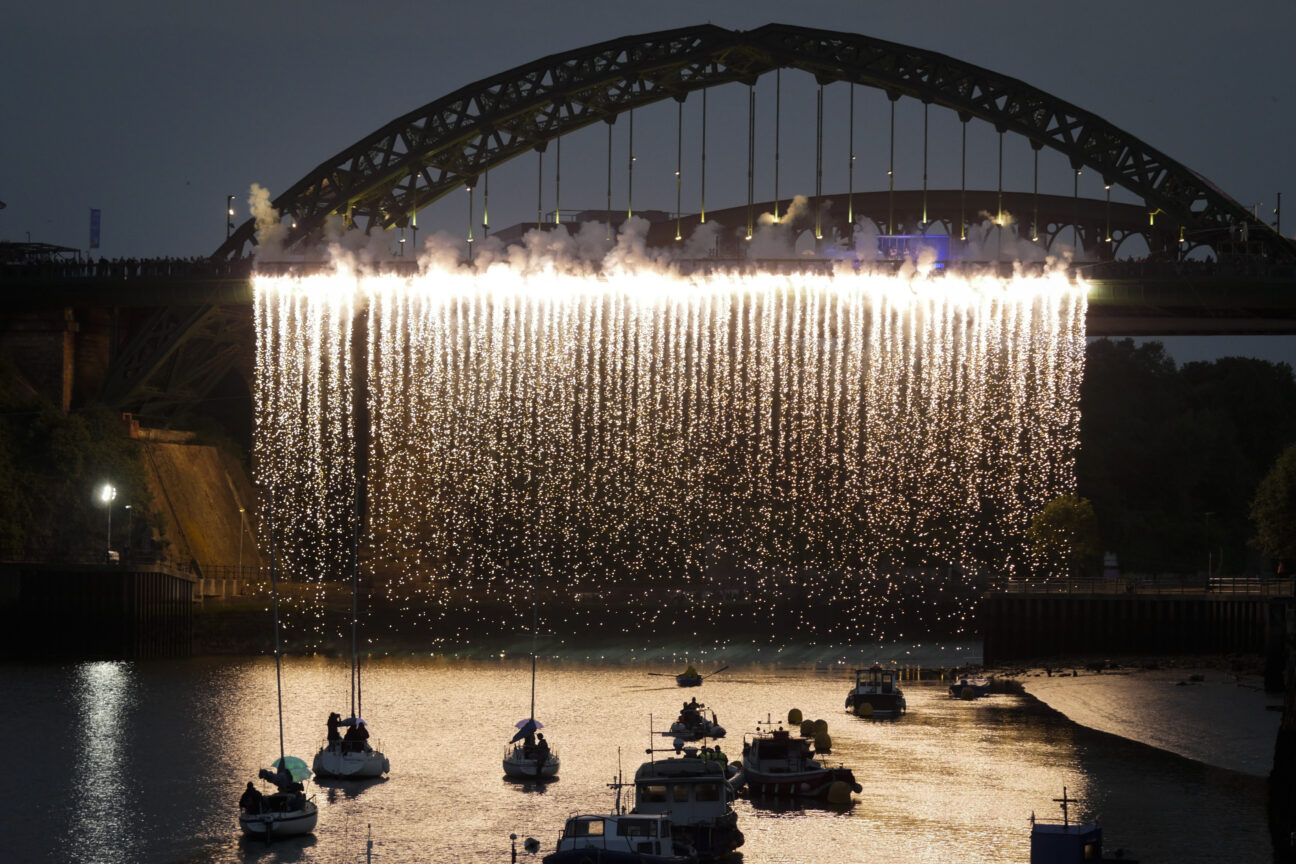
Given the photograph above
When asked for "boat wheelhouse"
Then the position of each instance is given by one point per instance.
(876, 693)
(697, 796)
(619, 839)
(777, 764)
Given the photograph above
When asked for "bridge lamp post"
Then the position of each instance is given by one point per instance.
(106, 495)
(229, 216)
(242, 528)
(129, 520)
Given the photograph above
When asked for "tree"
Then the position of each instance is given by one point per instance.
(1273, 509)
(1066, 530)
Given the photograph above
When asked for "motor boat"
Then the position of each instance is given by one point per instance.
(620, 839)
(969, 688)
(693, 724)
(696, 794)
(774, 763)
(1062, 844)
(876, 693)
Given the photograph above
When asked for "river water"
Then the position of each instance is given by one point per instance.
(145, 761)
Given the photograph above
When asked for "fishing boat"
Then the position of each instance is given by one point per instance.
(694, 791)
(529, 756)
(1069, 842)
(351, 757)
(876, 693)
(776, 764)
(620, 839)
(287, 812)
(969, 688)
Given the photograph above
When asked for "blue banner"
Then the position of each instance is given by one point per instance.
(94, 228)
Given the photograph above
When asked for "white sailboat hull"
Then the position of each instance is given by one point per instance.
(520, 767)
(333, 762)
(288, 823)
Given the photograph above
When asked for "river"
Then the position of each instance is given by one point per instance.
(145, 761)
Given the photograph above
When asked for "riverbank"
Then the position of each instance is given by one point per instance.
(1209, 708)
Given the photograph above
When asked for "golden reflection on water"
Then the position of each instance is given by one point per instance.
(163, 750)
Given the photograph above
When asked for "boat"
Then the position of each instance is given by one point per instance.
(693, 724)
(529, 756)
(288, 812)
(351, 757)
(620, 839)
(1070, 842)
(876, 693)
(969, 688)
(695, 792)
(690, 677)
(775, 763)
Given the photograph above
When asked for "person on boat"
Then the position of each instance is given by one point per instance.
(251, 800)
(357, 737)
(362, 735)
(529, 743)
(334, 739)
(690, 672)
(541, 753)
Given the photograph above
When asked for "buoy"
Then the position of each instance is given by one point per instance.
(863, 709)
(794, 717)
(839, 792)
(807, 728)
(822, 742)
(820, 726)
(967, 693)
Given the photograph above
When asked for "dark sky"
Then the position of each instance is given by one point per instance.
(154, 111)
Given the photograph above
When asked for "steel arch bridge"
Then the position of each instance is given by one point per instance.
(384, 179)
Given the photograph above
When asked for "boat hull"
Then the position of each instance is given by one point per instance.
(688, 680)
(333, 762)
(880, 704)
(803, 784)
(280, 823)
(520, 768)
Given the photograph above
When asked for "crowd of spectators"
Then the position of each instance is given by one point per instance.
(71, 268)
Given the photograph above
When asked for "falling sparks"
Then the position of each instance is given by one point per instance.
(825, 455)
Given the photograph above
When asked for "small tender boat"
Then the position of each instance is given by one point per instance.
(777, 764)
(969, 688)
(620, 839)
(1069, 842)
(684, 679)
(876, 693)
(697, 796)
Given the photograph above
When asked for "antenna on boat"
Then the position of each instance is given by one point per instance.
(274, 596)
(1064, 801)
(620, 777)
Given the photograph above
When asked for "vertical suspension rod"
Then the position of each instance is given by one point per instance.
(819, 167)
(609, 182)
(470, 223)
(539, 188)
(963, 186)
(630, 171)
(1035, 204)
(679, 165)
(999, 217)
(702, 220)
(778, 116)
(751, 155)
(486, 206)
(891, 177)
(850, 168)
(558, 181)
(926, 106)
(1075, 214)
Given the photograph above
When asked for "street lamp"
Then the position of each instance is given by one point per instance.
(242, 523)
(106, 495)
(129, 514)
(229, 215)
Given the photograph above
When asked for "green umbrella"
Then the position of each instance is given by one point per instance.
(296, 767)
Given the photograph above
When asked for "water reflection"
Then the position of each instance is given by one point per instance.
(333, 789)
(100, 826)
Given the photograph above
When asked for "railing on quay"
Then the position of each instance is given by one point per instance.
(1186, 584)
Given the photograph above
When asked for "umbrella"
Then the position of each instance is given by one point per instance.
(296, 767)
(525, 728)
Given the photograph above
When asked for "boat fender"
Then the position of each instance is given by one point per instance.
(717, 732)
(839, 792)
(820, 726)
(807, 728)
(794, 717)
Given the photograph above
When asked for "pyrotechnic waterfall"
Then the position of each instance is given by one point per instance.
(825, 454)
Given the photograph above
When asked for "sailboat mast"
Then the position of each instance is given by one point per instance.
(274, 595)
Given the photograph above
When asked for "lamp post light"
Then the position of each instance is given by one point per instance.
(229, 216)
(129, 514)
(242, 523)
(106, 495)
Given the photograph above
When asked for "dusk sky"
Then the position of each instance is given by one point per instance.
(153, 112)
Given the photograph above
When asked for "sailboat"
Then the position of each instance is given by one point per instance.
(529, 758)
(351, 758)
(287, 812)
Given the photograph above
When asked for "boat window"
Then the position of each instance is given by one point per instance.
(708, 792)
(636, 828)
(771, 751)
(654, 793)
(587, 828)
(680, 792)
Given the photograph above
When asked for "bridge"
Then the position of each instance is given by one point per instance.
(150, 336)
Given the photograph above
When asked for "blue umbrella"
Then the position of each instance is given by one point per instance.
(525, 728)
(296, 767)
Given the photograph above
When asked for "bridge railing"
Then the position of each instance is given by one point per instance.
(1186, 584)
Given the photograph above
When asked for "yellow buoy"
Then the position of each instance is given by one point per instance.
(807, 728)
(794, 717)
(823, 742)
(820, 726)
(863, 709)
(839, 792)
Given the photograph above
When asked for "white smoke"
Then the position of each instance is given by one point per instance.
(270, 230)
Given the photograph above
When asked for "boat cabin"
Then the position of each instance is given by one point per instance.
(1070, 842)
(644, 834)
(687, 789)
(875, 679)
(779, 753)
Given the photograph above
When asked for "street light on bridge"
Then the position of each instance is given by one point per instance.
(106, 495)
(229, 216)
